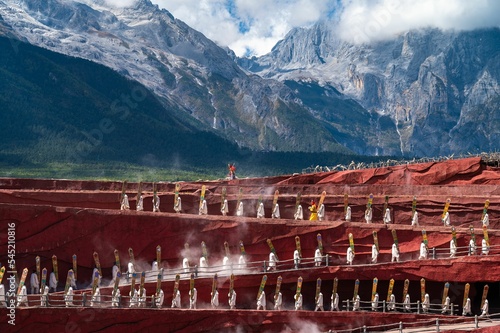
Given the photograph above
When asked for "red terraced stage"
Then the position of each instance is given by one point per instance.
(65, 217)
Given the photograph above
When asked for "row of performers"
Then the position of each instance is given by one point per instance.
(272, 262)
(138, 298)
(316, 213)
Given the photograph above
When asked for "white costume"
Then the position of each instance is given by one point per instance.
(154, 266)
(391, 306)
(278, 301)
(319, 302)
(356, 305)
(260, 211)
(176, 301)
(160, 297)
(414, 220)
(3, 302)
(485, 309)
(472, 248)
(203, 208)
(261, 301)
(348, 214)
(214, 299)
(375, 303)
(185, 265)
(368, 215)
(321, 212)
(96, 298)
(298, 301)
(52, 282)
(140, 204)
(239, 211)
(131, 268)
(467, 308)
(22, 298)
(335, 302)
(224, 209)
(203, 264)
(34, 283)
(406, 303)
(299, 213)
(485, 248)
(296, 258)
(225, 263)
(486, 220)
(133, 298)
(374, 254)
(232, 300)
(387, 216)
(423, 251)
(426, 303)
(272, 261)
(350, 256)
(193, 298)
(395, 253)
(446, 219)
(318, 258)
(142, 299)
(156, 203)
(276, 212)
(453, 249)
(241, 262)
(44, 298)
(178, 205)
(115, 300)
(125, 205)
(446, 305)
(68, 298)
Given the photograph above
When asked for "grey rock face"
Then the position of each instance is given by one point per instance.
(440, 89)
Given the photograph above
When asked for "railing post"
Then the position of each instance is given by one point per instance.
(326, 260)
(433, 253)
(264, 265)
(437, 325)
(383, 305)
(452, 309)
(476, 322)
(364, 328)
(418, 307)
(347, 305)
(120, 301)
(400, 327)
(196, 271)
(84, 299)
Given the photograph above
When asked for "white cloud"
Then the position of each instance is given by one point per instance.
(364, 21)
(268, 21)
(265, 21)
(120, 3)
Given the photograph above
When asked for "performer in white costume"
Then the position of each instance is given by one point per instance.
(374, 254)
(319, 302)
(350, 256)
(261, 302)
(176, 301)
(348, 214)
(178, 205)
(414, 220)
(298, 301)
(232, 300)
(193, 298)
(321, 212)
(276, 212)
(395, 253)
(225, 208)
(239, 211)
(318, 258)
(140, 204)
(368, 215)
(387, 216)
(125, 204)
(334, 306)
(375, 302)
(299, 213)
(34, 283)
(260, 211)
(423, 251)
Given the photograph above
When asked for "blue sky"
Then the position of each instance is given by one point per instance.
(253, 27)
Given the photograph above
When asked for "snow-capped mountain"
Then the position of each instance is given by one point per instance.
(178, 64)
(440, 89)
